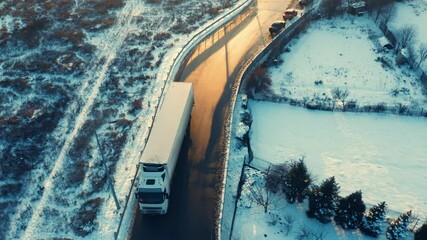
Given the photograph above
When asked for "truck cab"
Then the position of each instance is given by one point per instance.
(153, 191)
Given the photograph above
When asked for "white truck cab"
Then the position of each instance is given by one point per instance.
(152, 192)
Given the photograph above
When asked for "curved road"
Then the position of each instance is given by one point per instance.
(194, 193)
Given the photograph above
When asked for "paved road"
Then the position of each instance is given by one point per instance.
(191, 211)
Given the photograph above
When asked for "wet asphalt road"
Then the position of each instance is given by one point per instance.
(213, 72)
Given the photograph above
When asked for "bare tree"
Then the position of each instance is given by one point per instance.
(405, 36)
(262, 196)
(340, 94)
(319, 234)
(422, 54)
(304, 233)
(389, 12)
(275, 176)
(288, 223)
(330, 7)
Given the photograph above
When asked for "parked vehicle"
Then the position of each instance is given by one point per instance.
(162, 150)
(276, 27)
(289, 14)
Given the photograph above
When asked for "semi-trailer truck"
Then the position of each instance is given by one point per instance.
(161, 153)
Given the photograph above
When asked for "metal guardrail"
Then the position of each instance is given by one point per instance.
(177, 65)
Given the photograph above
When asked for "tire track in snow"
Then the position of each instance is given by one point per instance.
(105, 55)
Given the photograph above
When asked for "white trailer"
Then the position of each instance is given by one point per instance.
(162, 150)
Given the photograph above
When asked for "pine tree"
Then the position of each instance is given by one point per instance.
(297, 182)
(323, 200)
(421, 233)
(399, 227)
(350, 211)
(373, 221)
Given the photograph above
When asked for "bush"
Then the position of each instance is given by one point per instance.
(380, 107)
(403, 108)
(259, 82)
(162, 36)
(30, 34)
(137, 104)
(180, 27)
(247, 118)
(73, 36)
(10, 189)
(17, 84)
(19, 159)
(76, 173)
(213, 10)
(350, 105)
(81, 145)
(83, 222)
(123, 122)
(27, 112)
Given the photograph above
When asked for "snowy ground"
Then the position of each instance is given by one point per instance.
(382, 155)
(252, 223)
(343, 53)
(68, 70)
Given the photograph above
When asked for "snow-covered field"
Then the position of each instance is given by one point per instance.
(66, 71)
(383, 155)
(343, 53)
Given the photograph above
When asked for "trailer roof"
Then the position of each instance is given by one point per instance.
(166, 123)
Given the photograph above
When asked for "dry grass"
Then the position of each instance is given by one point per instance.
(154, 1)
(27, 112)
(17, 84)
(74, 36)
(213, 10)
(76, 173)
(98, 23)
(83, 222)
(162, 36)
(123, 122)
(9, 121)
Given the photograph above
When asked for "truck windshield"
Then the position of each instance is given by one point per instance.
(151, 196)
